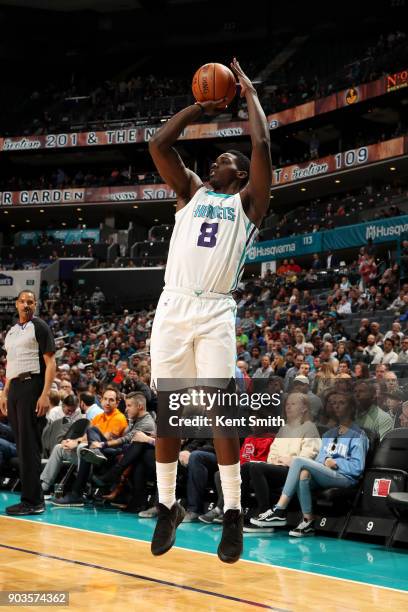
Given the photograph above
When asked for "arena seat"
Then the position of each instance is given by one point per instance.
(398, 504)
(371, 516)
(401, 369)
(333, 506)
(160, 232)
(149, 249)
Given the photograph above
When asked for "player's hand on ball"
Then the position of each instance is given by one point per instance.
(244, 81)
(213, 107)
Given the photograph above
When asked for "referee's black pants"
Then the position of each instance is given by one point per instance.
(27, 428)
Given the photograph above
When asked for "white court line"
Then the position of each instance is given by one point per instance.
(192, 550)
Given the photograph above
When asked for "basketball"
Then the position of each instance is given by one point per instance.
(212, 82)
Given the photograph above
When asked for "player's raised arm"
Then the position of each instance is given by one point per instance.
(166, 159)
(256, 195)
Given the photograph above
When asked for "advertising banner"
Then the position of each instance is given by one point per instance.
(284, 248)
(68, 236)
(281, 176)
(341, 161)
(383, 230)
(14, 281)
(91, 195)
(119, 136)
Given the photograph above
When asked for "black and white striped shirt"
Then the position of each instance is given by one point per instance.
(25, 345)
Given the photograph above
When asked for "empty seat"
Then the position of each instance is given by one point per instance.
(398, 504)
(160, 232)
(371, 515)
(150, 249)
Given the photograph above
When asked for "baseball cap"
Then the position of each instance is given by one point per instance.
(64, 366)
(302, 379)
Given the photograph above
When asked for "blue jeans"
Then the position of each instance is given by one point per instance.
(6, 432)
(320, 477)
(7, 450)
(201, 466)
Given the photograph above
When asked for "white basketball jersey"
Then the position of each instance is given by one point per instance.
(209, 243)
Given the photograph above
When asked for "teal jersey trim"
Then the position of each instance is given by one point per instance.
(221, 195)
(248, 230)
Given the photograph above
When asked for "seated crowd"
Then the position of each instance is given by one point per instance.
(371, 202)
(339, 391)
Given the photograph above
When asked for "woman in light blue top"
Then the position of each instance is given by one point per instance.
(340, 463)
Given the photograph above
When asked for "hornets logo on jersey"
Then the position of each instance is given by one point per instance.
(214, 212)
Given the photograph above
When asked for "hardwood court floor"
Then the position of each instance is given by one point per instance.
(109, 572)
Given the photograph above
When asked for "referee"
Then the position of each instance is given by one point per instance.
(30, 372)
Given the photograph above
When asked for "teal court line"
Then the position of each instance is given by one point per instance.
(361, 562)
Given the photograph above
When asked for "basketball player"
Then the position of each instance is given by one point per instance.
(193, 334)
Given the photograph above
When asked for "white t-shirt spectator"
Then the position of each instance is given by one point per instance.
(389, 358)
(403, 357)
(390, 334)
(344, 308)
(57, 413)
(263, 373)
(375, 352)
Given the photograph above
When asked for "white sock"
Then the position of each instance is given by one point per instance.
(230, 476)
(166, 483)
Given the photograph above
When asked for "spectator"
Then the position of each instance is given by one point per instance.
(88, 406)
(394, 331)
(111, 423)
(8, 448)
(333, 262)
(293, 371)
(369, 415)
(297, 438)
(242, 354)
(403, 354)
(402, 420)
(389, 356)
(301, 385)
(265, 370)
(324, 380)
(361, 371)
(340, 463)
(255, 360)
(65, 388)
(98, 297)
(373, 351)
(393, 401)
(316, 265)
(69, 408)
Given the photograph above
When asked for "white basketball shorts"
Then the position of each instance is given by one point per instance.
(193, 336)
